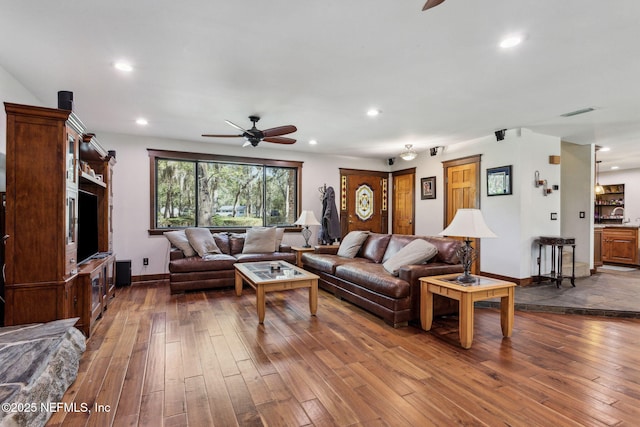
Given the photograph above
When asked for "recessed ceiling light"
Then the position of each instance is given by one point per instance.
(510, 41)
(312, 142)
(615, 167)
(373, 112)
(123, 66)
(603, 149)
(142, 121)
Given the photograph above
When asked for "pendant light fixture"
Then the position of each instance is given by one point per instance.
(598, 189)
(408, 154)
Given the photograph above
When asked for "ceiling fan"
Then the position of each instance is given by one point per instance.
(431, 3)
(254, 135)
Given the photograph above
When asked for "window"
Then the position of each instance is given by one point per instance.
(189, 190)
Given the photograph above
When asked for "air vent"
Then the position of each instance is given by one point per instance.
(577, 112)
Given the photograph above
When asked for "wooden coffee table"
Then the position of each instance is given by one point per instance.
(484, 288)
(263, 278)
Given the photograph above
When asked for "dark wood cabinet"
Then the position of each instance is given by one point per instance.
(620, 245)
(597, 247)
(45, 148)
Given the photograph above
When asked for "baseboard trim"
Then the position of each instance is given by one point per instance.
(527, 281)
(150, 278)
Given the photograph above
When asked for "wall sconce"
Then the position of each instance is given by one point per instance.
(542, 183)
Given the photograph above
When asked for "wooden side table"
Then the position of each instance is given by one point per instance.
(299, 250)
(484, 288)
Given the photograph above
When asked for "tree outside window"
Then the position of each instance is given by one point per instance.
(222, 193)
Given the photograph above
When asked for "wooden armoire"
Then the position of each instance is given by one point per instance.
(50, 161)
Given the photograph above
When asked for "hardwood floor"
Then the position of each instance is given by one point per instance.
(202, 359)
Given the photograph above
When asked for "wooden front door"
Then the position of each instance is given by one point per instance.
(363, 201)
(403, 202)
(462, 191)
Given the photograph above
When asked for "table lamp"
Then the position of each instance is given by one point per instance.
(468, 223)
(306, 219)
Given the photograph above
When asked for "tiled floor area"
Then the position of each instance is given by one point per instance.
(606, 293)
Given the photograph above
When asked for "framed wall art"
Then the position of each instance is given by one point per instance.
(499, 181)
(428, 188)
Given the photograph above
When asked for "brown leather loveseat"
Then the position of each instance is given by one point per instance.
(364, 281)
(216, 270)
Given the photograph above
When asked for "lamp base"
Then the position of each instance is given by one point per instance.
(466, 279)
(466, 254)
(306, 233)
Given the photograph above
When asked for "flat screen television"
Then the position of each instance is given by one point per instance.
(87, 225)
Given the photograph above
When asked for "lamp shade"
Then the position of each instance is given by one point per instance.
(307, 218)
(468, 223)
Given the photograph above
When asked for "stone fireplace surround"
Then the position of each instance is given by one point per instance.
(38, 363)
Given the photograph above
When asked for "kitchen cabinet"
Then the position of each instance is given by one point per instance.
(597, 247)
(620, 245)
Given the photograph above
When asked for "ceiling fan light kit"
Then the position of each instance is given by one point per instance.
(408, 154)
(255, 135)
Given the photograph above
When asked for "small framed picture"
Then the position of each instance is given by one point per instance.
(428, 188)
(499, 181)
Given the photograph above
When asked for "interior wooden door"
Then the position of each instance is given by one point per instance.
(462, 191)
(403, 197)
(363, 201)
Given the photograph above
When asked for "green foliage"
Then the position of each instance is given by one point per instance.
(226, 194)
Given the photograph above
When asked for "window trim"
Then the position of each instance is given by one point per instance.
(155, 154)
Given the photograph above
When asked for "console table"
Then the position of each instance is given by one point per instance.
(559, 243)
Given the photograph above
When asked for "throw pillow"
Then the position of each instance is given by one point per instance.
(279, 237)
(202, 241)
(259, 240)
(179, 239)
(416, 252)
(351, 243)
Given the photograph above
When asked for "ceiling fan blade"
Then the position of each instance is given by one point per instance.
(279, 140)
(280, 130)
(220, 136)
(229, 122)
(431, 3)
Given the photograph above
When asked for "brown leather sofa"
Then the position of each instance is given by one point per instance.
(364, 282)
(216, 270)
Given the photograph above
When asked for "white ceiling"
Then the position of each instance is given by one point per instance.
(438, 76)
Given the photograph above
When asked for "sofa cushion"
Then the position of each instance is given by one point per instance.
(375, 246)
(236, 242)
(375, 278)
(269, 256)
(260, 240)
(202, 241)
(211, 262)
(222, 241)
(417, 251)
(327, 263)
(351, 243)
(179, 239)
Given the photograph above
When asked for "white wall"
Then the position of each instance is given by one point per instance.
(578, 196)
(132, 192)
(10, 91)
(631, 180)
(518, 219)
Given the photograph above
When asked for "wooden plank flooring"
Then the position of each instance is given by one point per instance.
(202, 359)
